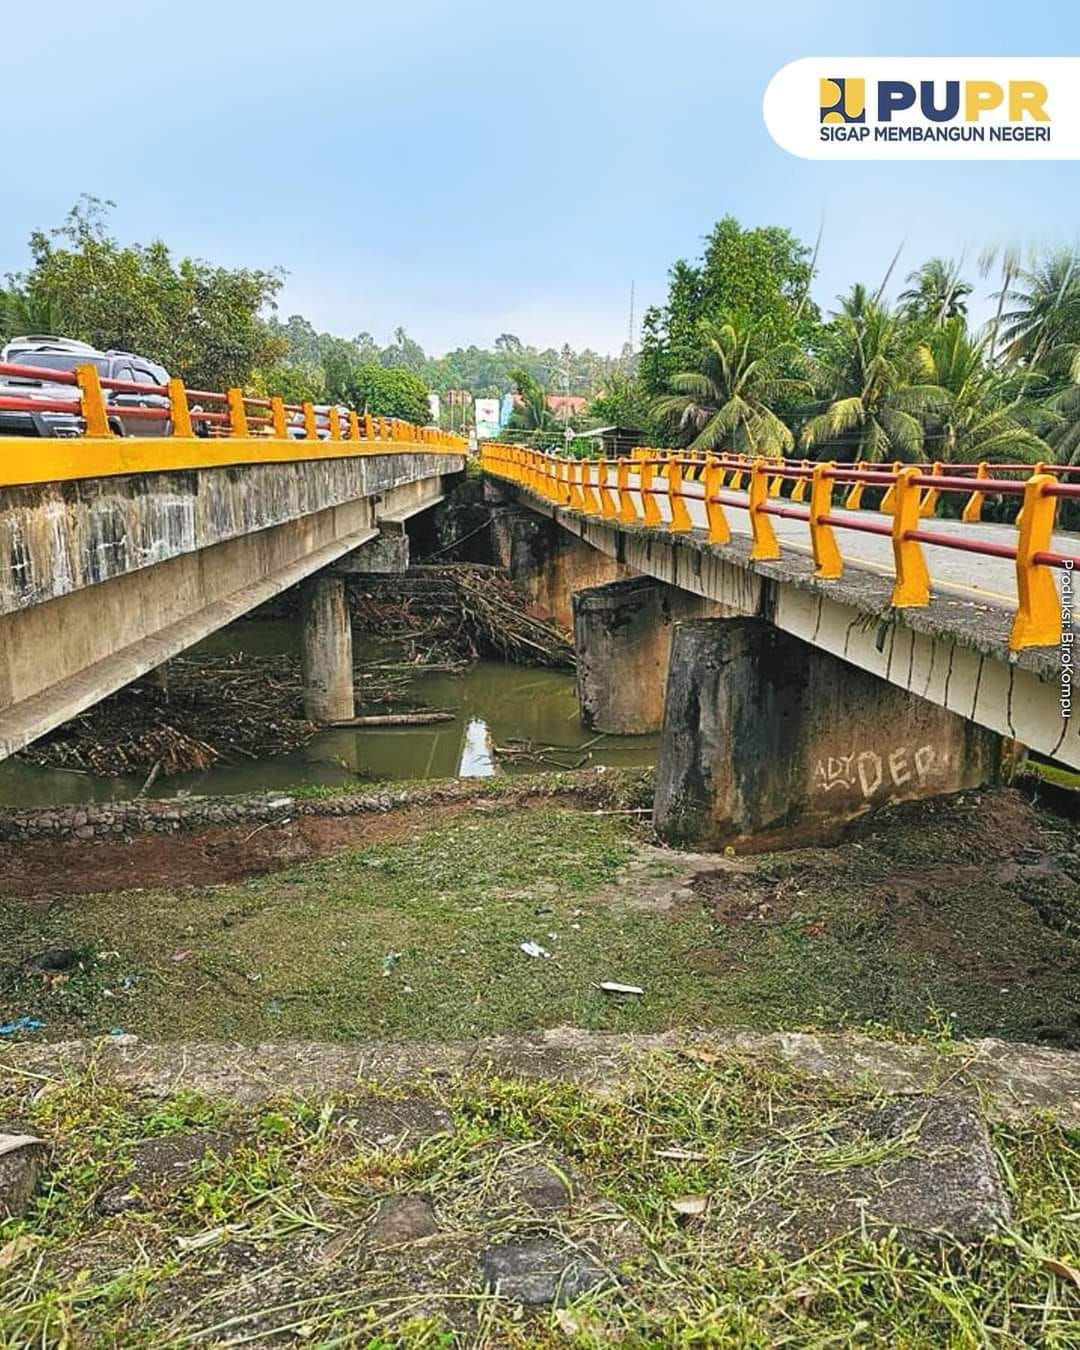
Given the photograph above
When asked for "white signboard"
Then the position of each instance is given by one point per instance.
(486, 411)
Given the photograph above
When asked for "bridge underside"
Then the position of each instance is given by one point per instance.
(953, 654)
(106, 579)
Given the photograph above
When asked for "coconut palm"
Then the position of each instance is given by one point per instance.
(1046, 307)
(875, 407)
(984, 418)
(937, 292)
(1061, 406)
(730, 401)
(1010, 266)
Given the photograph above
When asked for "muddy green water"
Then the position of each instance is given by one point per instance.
(494, 703)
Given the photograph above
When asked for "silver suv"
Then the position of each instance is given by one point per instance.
(44, 352)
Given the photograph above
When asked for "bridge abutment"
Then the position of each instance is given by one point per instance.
(326, 649)
(622, 638)
(768, 741)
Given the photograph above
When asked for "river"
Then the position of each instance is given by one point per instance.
(495, 704)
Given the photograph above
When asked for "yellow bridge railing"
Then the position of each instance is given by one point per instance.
(630, 491)
(186, 428)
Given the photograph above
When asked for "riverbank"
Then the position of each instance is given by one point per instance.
(466, 909)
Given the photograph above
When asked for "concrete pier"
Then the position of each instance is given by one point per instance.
(768, 741)
(622, 638)
(548, 563)
(326, 650)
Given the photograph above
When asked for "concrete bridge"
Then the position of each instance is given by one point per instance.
(797, 682)
(118, 553)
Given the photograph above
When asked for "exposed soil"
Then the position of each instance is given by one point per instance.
(41, 871)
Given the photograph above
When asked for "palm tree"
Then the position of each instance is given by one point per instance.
(532, 413)
(1061, 407)
(729, 403)
(937, 292)
(1046, 307)
(1010, 266)
(983, 419)
(875, 408)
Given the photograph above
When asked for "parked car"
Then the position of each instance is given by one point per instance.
(44, 352)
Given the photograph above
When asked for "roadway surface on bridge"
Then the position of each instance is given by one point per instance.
(991, 580)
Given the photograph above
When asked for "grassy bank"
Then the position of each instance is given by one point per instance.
(963, 914)
(260, 1239)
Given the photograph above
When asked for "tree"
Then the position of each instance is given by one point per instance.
(389, 393)
(533, 413)
(203, 323)
(623, 402)
(728, 403)
(983, 418)
(403, 353)
(1046, 307)
(937, 292)
(759, 276)
(875, 408)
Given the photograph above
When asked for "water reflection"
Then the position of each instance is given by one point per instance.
(495, 704)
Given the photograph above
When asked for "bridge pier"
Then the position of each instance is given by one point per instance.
(768, 740)
(548, 562)
(622, 638)
(326, 659)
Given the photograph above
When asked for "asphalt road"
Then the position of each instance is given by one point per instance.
(991, 580)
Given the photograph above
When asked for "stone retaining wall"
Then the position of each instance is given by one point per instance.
(120, 819)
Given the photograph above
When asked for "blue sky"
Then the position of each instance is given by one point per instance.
(474, 168)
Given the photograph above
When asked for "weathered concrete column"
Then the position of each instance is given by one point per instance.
(622, 638)
(768, 741)
(548, 562)
(326, 650)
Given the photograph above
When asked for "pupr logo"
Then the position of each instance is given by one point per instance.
(969, 107)
(842, 100)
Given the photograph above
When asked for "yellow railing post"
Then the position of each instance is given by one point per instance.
(737, 476)
(680, 515)
(853, 500)
(608, 506)
(765, 546)
(912, 589)
(928, 505)
(278, 419)
(798, 492)
(719, 530)
(93, 401)
(627, 513)
(822, 539)
(179, 412)
(369, 427)
(311, 425)
(333, 422)
(589, 504)
(972, 512)
(238, 424)
(1038, 614)
(649, 504)
(888, 502)
(776, 482)
(354, 427)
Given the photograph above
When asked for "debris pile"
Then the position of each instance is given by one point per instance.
(461, 611)
(216, 708)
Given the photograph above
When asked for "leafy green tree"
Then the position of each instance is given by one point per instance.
(757, 276)
(937, 292)
(984, 417)
(203, 323)
(875, 409)
(389, 393)
(295, 383)
(403, 354)
(624, 402)
(728, 402)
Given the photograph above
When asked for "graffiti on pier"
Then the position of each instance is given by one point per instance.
(871, 772)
